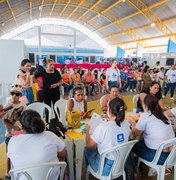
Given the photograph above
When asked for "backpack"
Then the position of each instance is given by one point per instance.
(56, 127)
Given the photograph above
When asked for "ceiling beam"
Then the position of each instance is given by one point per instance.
(76, 8)
(11, 10)
(1, 1)
(132, 15)
(144, 39)
(64, 8)
(54, 4)
(105, 10)
(30, 4)
(153, 18)
(41, 8)
(134, 48)
(90, 8)
(138, 28)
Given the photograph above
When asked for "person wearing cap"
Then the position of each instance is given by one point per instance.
(12, 118)
(88, 80)
(75, 77)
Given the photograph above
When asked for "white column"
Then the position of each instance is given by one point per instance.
(39, 42)
(139, 50)
(75, 44)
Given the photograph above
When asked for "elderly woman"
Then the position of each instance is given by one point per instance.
(35, 145)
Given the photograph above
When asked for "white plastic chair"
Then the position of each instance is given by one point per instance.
(40, 108)
(40, 171)
(135, 99)
(60, 109)
(121, 152)
(101, 100)
(170, 161)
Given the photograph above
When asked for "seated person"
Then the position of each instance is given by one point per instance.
(88, 81)
(106, 135)
(155, 90)
(12, 117)
(131, 82)
(155, 127)
(67, 84)
(36, 145)
(75, 77)
(103, 81)
(78, 102)
(114, 92)
(96, 81)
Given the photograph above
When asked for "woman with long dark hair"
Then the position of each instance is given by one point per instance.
(106, 135)
(35, 145)
(155, 127)
(154, 89)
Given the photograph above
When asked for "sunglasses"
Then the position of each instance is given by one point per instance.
(16, 94)
(17, 85)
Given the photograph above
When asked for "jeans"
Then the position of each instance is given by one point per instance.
(87, 88)
(92, 158)
(29, 95)
(148, 154)
(132, 84)
(170, 86)
(67, 87)
(139, 110)
(111, 83)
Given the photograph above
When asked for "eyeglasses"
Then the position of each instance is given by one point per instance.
(16, 94)
(17, 85)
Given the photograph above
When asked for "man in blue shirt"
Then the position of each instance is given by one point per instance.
(123, 80)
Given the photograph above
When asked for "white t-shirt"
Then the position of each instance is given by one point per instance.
(171, 76)
(13, 115)
(78, 105)
(160, 74)
(112, 74)
(155, 130)
(28, 149)
(108, 134)
(173, 111)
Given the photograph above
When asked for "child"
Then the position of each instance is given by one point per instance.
(12, 117)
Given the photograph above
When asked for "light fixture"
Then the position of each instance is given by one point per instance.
(40, 8)
(98, 15)
(123, 0)
(152, 24)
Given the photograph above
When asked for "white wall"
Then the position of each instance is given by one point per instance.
(152, 58)
(11, 54)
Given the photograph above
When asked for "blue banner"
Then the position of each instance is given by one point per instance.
(171, 46)
(120, 52)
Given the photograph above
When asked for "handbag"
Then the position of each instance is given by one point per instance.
(56, 127)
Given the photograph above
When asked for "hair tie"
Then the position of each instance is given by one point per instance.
(121, 108)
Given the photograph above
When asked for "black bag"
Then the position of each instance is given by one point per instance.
(131, 168)
(56, 127)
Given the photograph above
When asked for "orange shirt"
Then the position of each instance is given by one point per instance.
(76, 78)
(137, 75)
(66, 78)
(88, 78)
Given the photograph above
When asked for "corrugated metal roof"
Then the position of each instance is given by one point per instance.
(105, 17)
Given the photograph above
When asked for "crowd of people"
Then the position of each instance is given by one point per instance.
(151, 84)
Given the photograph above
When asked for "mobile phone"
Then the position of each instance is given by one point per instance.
(8, 108)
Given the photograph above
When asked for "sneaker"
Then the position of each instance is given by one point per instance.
(172, 98)
(152, 172)
(131, 90)
(134, 90)
(163, 97)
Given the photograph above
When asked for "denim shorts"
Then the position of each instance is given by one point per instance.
(92, 158)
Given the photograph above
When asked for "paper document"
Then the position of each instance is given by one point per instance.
(94, 122)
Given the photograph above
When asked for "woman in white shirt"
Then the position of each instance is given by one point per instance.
(25, 79)
(36, 145)
(155, 127)
(113, 75)
(106, 135)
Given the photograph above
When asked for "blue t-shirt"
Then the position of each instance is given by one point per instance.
(123, 76)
